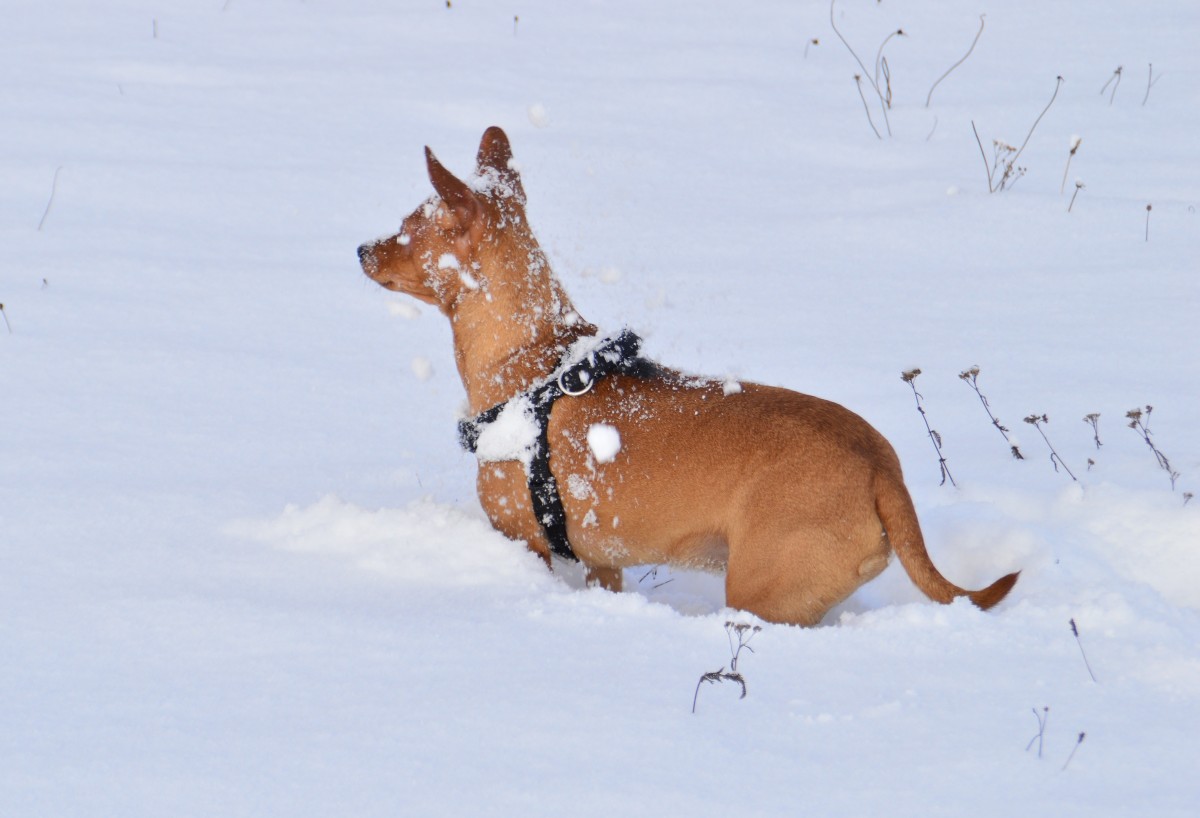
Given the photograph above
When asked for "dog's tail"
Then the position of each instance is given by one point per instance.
(895, 509)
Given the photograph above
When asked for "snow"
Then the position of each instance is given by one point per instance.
(422, 367)
(513, 435)
(245, 572)
(604, 441)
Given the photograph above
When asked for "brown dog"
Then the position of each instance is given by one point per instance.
(800, 500)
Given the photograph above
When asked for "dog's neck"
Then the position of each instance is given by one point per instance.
(512, 333)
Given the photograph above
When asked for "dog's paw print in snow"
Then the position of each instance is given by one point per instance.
(604, 441)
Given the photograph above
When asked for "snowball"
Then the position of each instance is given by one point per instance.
(447, 261)
(403, 239)
(422, 368)
(469, 281)
(604, 441)
(731, 387)
(538, 115)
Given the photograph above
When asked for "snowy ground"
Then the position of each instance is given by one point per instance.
(244, 571)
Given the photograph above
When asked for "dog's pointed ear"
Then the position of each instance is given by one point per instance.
(496, 156)
(454, 192)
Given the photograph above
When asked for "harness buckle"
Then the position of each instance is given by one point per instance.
(587, 384)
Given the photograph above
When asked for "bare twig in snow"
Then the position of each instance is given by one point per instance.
(858, 83)
(879, 54)
(1079, 642)
(866, 73)
(909, 378)
(1078, 187)
(1116, 76)
(1150, 84)
(732, 629)
(1004, 170)
(1042, 718)
(1075, 143)
(1078, 741)
(1057, 84)
(978, 34)
(1140, 423)
(986, 167)
(1094, 420)
(53, 190)
(1036, 421)
(971, 378)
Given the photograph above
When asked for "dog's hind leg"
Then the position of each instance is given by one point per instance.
(804, 572)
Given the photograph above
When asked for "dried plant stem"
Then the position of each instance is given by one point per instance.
(1143, 428)
(986, 167)
(1078, 187)
(1042, 718)
(1094, 420)
(1116, 76)
(858, 83)
(5, 316)
(1150, 84)
(971, 378)
(1078, 741)
(1006, 156)
(1057, 84)
(909, 378)
(1036, 421)
(978, 34)
(732, 629)
(866, 73)
(887, 83)
(879, 60)
(1148, 209)
(1075, 143)
(1086, 663)
(53, 190)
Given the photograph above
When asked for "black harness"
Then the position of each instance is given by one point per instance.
(611, 357)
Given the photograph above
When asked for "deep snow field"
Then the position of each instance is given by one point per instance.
(243, 570)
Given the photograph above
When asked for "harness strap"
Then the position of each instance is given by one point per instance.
(615, 356)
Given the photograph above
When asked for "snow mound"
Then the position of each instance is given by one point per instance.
(424, 543)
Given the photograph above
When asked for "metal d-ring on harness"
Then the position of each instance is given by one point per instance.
(614, 356)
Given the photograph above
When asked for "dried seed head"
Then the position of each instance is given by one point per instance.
(910, 375)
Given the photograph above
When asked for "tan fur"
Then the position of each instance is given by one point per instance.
(799, 499)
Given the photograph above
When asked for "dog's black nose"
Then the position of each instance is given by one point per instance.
(364, 252)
